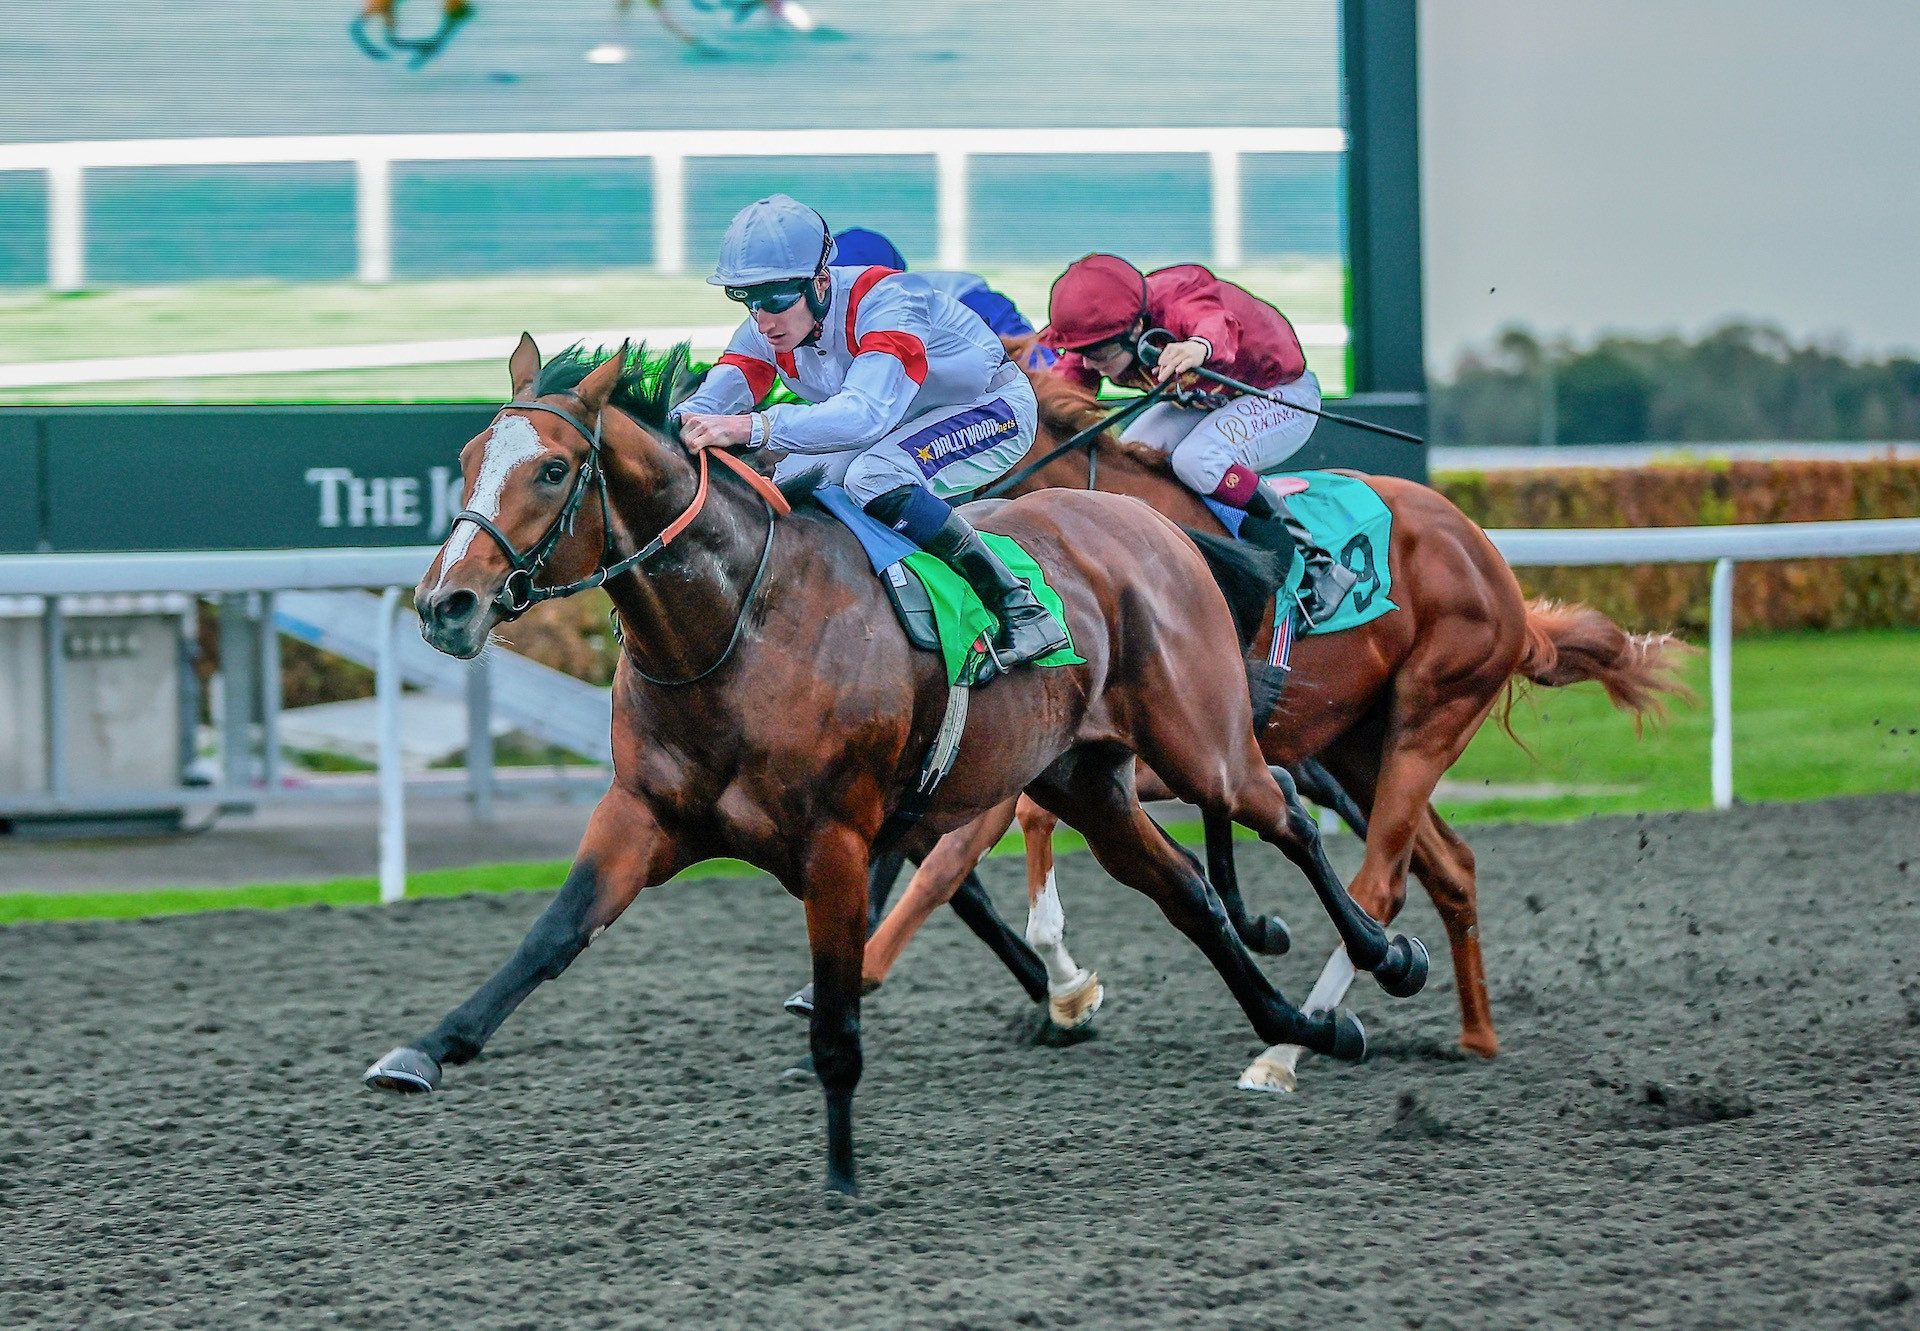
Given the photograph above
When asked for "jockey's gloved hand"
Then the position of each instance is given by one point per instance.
(1180, 357)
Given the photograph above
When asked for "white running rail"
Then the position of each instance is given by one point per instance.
(321, 570)
(373, 156)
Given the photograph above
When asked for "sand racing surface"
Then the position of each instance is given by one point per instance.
(1705, 1114)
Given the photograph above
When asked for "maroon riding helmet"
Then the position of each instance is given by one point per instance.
(1096, 300)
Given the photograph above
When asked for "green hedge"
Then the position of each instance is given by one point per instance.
(1799, 594)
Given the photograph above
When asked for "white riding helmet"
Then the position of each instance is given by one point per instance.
(775, 239)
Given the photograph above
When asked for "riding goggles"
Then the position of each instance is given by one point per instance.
(773, 297)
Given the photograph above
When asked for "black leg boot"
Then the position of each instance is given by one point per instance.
(1271, 526)
(1327, 581)
(1027, 628)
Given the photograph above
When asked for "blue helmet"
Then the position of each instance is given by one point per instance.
(857, 247)
(775, 239)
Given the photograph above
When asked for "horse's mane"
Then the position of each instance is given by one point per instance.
(1068, 407)
(649, 386)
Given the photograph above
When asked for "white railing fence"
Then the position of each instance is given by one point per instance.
(53, 576)
(373, 157)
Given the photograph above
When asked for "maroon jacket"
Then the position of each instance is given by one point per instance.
(1252, 341)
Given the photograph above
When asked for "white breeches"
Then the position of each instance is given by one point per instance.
(1256, 433)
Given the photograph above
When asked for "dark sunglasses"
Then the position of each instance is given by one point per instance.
(773, 297)
(1104, 348)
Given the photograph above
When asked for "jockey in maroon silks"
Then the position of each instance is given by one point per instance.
(1220, 442)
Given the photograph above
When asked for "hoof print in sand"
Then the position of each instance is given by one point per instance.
(1661, 1105)
(1414, 1122)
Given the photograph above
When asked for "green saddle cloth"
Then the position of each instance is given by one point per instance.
(963, 620)
(1356, 526)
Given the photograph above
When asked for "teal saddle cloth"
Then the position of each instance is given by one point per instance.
(1351, 521)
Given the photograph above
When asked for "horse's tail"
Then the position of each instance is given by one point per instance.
(1568, 644)
(1246, 575)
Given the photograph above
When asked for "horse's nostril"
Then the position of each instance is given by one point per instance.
(457, 607)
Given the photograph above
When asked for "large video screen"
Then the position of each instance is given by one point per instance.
(1205, 132)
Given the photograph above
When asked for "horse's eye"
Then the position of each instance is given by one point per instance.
(554, 472)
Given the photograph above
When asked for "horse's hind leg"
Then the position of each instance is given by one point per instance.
(1265, 934)
(1073, 994)
(1445, 867)
(622, 853)
(1092, 790)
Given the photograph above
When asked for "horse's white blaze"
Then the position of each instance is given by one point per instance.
(1046, 934)
(1274, 1070)
(512, 441)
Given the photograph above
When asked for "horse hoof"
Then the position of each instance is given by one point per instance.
(1263, 1074)
(800, 1072)
(1268, 935)
(1403, 971)
(801, 1004)
(1075, 1008)
(842, 1184)
(1349, 1038)
(405, 1072)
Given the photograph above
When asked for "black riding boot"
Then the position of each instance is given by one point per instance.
(1326, 581)
(1027, 628)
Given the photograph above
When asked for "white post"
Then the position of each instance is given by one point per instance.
(480, 737)
(1330, 824)
(1226, 206)
(950, 206)
(669, 212)
(66, 228)
(393, 816)
(373, 208)
(1720, 669)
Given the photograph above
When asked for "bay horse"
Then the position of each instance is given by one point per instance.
(767, 705)
(1387, 707)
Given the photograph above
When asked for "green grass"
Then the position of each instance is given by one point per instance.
(522, 876)
(1816, 715)
(241, 316)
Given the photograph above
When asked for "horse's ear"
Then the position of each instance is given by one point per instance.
(524, 365)
(598, 386)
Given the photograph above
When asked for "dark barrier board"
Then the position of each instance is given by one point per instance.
(303, 477)
(252, 478)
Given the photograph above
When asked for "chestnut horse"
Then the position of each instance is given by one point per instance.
(1386, 707)
(767, 705)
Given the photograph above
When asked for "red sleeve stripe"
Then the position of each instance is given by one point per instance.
(857, 293)
(758, 373)
(909, 350)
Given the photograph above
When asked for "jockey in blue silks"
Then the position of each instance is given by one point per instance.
(907, 397)
(858, 245)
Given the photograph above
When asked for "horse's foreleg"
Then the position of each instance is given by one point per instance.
(833, 887)
(1073, 993)
(622, 853)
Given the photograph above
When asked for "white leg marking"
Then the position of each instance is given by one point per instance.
(1274, 1070)
(512, 441)
(1074, 994)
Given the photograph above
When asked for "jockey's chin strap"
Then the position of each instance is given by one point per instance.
(518, 594)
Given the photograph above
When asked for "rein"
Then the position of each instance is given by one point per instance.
(518, 594)
(1080, 440)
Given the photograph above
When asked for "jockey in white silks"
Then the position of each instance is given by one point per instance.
(909, 398)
